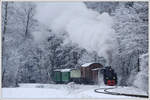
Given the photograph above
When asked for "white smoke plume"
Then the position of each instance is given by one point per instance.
(88, 28)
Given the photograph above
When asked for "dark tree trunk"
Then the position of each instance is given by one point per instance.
(5, 18)
(3, 39)
(27, 26)
(27, 22)
(138, 64)
(3, 77)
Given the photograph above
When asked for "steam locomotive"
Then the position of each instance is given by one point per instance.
(109, 76)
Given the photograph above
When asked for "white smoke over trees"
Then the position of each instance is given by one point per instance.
(89, 29)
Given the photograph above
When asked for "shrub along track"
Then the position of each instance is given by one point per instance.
(105, 91)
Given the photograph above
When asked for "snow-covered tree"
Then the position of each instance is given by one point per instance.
(132, 36)
(141, 79)
(9, 48)
(102, 6)
(13, 38)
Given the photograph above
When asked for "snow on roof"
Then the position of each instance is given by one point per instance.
(65, 70)
(96, 69)
(57, 69)
(62, 70)
(86, 64)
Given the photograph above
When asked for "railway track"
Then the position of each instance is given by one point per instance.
(105, 91)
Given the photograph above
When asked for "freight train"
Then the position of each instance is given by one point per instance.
(86, 74)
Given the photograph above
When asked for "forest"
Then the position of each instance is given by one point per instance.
(31, 50)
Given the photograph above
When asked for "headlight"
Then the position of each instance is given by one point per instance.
(114, 78)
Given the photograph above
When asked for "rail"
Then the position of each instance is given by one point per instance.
(105, 91)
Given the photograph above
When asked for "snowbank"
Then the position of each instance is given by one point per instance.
(56, 91)
(129, 90)
(141, 80)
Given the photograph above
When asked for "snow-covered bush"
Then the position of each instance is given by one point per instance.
(40, 86)
(141, 80)
(71, 87)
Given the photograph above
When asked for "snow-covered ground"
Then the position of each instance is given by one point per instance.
(61, 91)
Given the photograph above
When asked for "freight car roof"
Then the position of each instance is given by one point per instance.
(96, 69)
(62, 70)
(86, 64)
(57, 69)
(65, 70)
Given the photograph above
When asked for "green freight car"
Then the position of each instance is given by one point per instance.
(65, 75)
(57, 76)
(61, 75)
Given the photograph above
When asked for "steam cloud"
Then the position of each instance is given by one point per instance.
(88, 28)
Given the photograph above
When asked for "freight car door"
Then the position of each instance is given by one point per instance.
(95, 75)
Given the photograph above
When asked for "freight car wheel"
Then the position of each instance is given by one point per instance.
(105, 91)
